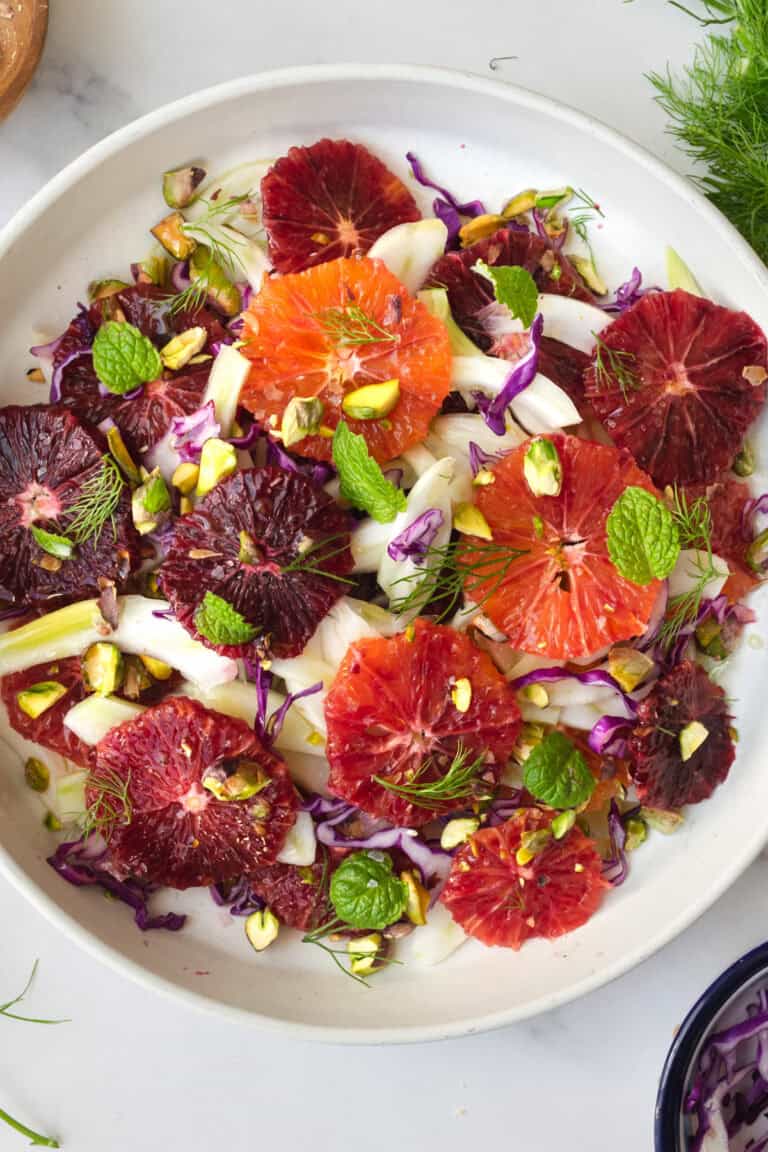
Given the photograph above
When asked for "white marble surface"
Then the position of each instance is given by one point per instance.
(132, 1071)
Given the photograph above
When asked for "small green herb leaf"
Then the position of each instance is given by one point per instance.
(643, 538)
(123, 357)
(362, 481)
(556, 773)
(513, 287)
(365, 893)
(220, 623)
(59, 546)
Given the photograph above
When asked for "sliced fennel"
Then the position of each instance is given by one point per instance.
(432, 490)
(689, 570)
(70, 796)
(300, 846)
(410, 250)
(419, 459)
(69, 631)
(238, 699)
(302, 672)
(228, 374)
(242, 180)
(434, 941)
(572, 321)
(679, 274)
(93, 717)
(342, 626)
(544, 407)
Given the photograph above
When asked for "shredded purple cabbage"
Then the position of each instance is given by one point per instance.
(756, 506)
(277, 719)
(269, 727)
(540, 216)
(239, 897)
(180, 278)
(414, 541)
(615, 868)
(319, 472)
(628, 293)
(430, 861)
(609, 736)
(249, 440)
(82, 863)
(494, 408)
(478, 459)
(593, 676)
(446, 207)
(189, 433)
(504, 807)
(163, 613)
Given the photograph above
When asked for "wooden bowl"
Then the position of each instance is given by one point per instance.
(23, 24)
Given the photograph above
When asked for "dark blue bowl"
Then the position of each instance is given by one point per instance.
(698, 1023)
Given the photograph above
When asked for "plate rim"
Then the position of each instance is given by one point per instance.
(519, 97)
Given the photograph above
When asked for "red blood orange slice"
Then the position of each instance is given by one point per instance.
(297, 896)
(563, 598)
(390, 713)
(661, 777)
(678, 382)
(333, 329)
(501, 902)
(49, 463)
(469, 293)
(271, 544)
(48, 729)
(726, 500)
(174, 830)
(331, 199)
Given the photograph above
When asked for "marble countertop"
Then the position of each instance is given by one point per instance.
(135, 1071)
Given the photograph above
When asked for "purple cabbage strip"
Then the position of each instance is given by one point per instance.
(163, 613)
(609, 736)
(238, 897)
(494, 408)
(629, 293)
(446, 207)
(189, 433)
(431, 862)
(319, 805)
(395, 476)
(539, 221)
(593, 676)
(501, 809)
(79, 864)
(249, 440)
(268, 728)
(615, 868)
(180, 278)
(277, 719)
(751, 508)
(479, 459)
(416, 539)
(319, 472)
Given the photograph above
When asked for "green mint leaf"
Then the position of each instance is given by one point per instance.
(156, 497)
(365, 893)
(514, 287)
(643, 538)
(59, 546)
(123, 358)
(362, 481)
(557, 774)
(219, 622)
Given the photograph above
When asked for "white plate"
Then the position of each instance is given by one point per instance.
(480, 138)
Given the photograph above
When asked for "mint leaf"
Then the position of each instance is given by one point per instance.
(123, 358)
(362, 481)
(365, 893)
(556, 773)
(643, 539)
(514, 287)
(219, 622)
(59, 546)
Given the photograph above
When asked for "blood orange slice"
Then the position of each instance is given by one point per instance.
(331, 199)
(391, 713)
(662, 778)
(173, 829)
(271, 544)
(678, 382)
(54, 478)
(48, 729)
(331, 330)
(469, 294)
(297, 896)
(563, 598)
(501, 902)
(726, 500)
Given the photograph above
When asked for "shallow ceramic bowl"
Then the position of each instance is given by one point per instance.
(480, 138)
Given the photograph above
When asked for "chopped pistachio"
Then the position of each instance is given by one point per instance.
(629, 667)
(553, 197)
(372, 401)
(185, 506)
(203, 359)
(538, 527)
(637, 832)
(250, 553)
(744, 461)
(461, 694)
(418, 899)
(585, 266)
(180, 349)
(247, 781)
(709, 638)
(136, 678)
(531, 844)
(219, 289)
(153, 270)
(483, 478)
(479, 228)
(519, 204)
(302, 417)
(52, 822)
(103, 289)
(217, 461)
(542, 469)
(469, 520)
(158, 669)
(36, 375)
(121, 455)
(535, 694)
(103, 668)
(37, 775)
(185, 477)
(562, 823)
(457, 831)
(755, 374)
(180, 186)
(262, 929)
(662, 819)
(410, 633)
(170, 232)
(363, 954)
(38, 698)
(530, 736)
(150, 503)
(316, 738)
(691, 739)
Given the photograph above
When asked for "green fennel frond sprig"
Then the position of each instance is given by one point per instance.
(444, 573)
(456, 784)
